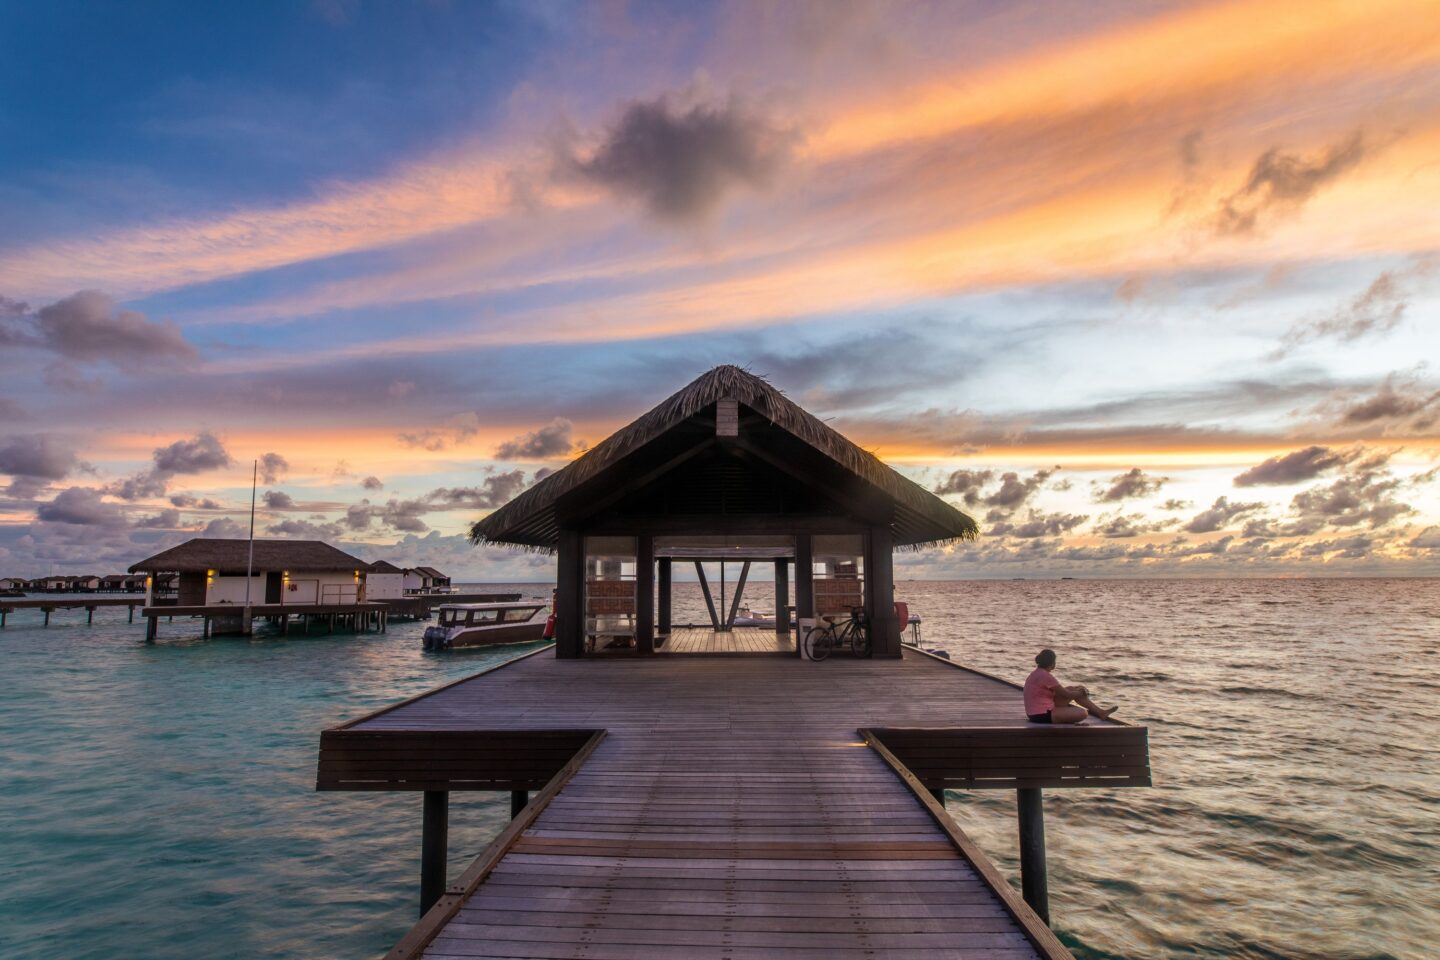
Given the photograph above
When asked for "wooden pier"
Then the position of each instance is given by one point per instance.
(725, 807)
(230, 617)
(49, 606)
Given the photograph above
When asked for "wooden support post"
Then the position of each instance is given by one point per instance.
(570, 595)
(1034, 885)
(47, 616)
(152, 628)
(3, 614)
(782, 597)
(132, 613)
(434, 847)
(205, 630)
(804, 584)
(880, 594)
(739, 593)
(709, 600)
(662, 616)
(518, 800)
(90, 615)
(645, 594)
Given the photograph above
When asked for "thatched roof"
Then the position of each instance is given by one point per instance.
(921, 517)
(201, 554)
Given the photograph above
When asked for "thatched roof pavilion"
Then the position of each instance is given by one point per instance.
(201, 554)
(728, 456)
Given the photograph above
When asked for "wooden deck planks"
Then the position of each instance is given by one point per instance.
(746, 640)
(732, 811)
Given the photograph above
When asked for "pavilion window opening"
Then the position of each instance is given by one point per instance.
(611, 565)
(839, 573)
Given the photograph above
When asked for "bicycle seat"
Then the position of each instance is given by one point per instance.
(832, 617)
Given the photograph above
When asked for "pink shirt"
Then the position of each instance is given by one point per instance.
(1040, 691)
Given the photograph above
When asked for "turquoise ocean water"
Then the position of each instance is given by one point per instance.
(157, 801)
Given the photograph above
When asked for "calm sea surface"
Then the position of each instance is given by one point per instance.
(158, 802)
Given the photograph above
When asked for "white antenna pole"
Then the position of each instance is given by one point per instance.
(250, 560)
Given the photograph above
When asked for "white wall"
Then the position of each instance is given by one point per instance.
(384, 586)
(303, 587)
(232, 589)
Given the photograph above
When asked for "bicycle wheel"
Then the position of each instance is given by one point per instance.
(860, 640)
(818, 642)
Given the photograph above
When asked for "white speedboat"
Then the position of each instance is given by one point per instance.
(486, 624)
(746, 617)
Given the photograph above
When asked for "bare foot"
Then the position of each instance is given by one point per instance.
(1105, 714)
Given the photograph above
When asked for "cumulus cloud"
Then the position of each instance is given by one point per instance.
(272, 466)
(278, 500)
(1175, 504)
(495, 491)
(1013, 492)
(1039, 524)
(372, 483)
(87, 327)
(1220, 513)
(223, 528)
(551, 440)
(1281, 183)
(681, 162)
(33, 461)
(1132, 484)
(1122, 526)
(1427, 539)
(200, 453)
(83, 506)
(190, 500)
(965, 484)
(305, 530)
(1366, 495)
(167, 519)
(423, 440)
(1295, 467)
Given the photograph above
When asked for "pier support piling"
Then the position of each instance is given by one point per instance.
(151, 629)
(1034, 885)
(47, 616)
(518, 800)
(434, 847)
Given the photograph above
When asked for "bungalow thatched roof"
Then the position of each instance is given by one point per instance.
(920, 516)
(205, 554)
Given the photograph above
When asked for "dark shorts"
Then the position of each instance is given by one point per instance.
(1040, 717)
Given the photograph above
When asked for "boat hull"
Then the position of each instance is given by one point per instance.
(438, 638)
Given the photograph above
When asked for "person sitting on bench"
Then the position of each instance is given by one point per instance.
(1047, 700)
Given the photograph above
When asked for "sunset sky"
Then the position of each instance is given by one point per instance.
(1150, 289)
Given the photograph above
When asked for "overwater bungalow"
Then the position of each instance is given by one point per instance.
(288, 572)
(14, 583)
(425, 580)
(709, 792)
(385, 581)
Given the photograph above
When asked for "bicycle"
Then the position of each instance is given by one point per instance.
(819, 641)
